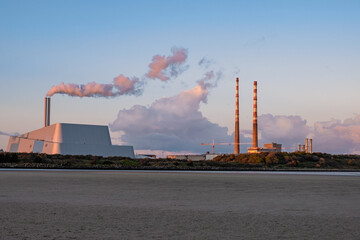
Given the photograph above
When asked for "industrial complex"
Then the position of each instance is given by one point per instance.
(82, 139)
(268, 147)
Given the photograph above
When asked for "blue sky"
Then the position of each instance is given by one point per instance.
(305, 56)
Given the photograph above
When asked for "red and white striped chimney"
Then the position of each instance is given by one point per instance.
(255, 125)
(237, 139)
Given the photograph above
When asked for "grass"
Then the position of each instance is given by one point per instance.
(262, 161)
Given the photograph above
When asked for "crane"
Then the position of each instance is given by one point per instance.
(213, 145)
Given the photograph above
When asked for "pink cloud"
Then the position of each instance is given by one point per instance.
(173, 63)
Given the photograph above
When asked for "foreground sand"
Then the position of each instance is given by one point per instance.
(138, 205)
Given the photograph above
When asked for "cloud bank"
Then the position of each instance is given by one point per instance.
(336, 136)
(172, 123)
(333, 136)
(289, 130)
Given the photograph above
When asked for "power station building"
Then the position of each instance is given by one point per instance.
(66, 138)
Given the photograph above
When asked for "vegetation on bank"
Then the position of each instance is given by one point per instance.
(261, 161)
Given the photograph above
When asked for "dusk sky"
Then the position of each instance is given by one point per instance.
(169, 70)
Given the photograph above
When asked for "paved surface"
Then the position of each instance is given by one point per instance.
(124, 205)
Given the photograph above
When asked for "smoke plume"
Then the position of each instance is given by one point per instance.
(162, 67)
(121, 86)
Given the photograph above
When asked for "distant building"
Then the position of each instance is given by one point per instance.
(268, 147)
(72, 139)
(193, 157)
(272, 147)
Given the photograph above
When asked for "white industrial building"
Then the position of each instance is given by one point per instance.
(72, 139)
(68, 139)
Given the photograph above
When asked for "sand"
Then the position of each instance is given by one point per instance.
(150, 205)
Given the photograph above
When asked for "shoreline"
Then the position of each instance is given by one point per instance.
(195, 169)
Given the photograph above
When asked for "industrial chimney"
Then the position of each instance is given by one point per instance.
(310, 145)
(47, 112)
(306, 145)
(237, 140)
(255, 125)
(255, 148)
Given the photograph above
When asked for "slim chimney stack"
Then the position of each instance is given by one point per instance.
(237, 139)
(255, 125)
(306, 145)
(47, 112)
(310, 145)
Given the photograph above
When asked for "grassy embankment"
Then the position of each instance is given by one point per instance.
(262, 161)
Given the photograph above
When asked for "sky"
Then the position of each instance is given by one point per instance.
(168, 69)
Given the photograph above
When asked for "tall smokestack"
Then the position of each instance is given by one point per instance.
(47, 112)
(310, 145)
(237, 140)
(255, 126)
(306, 145)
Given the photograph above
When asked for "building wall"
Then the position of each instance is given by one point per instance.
(73, 139)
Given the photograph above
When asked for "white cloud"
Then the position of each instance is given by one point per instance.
(172, 123)
(287, 130)
(336, 136)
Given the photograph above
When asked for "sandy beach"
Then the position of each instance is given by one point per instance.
(175, 205)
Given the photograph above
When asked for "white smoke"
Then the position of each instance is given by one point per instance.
(121, 86)
(161, 68)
